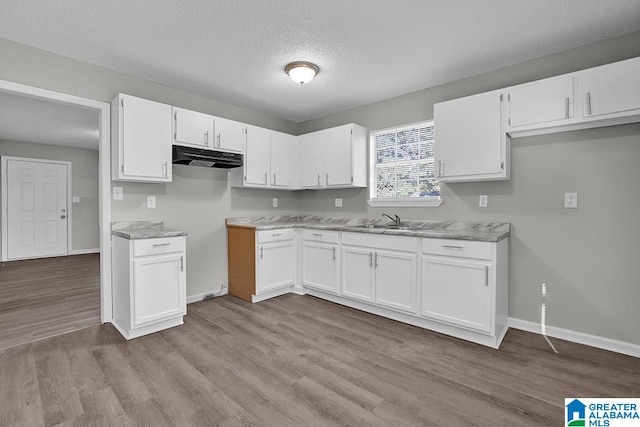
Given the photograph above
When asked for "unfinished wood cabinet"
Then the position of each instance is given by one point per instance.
(262, 264)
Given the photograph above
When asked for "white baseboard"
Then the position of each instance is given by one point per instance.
(199, 297)
(84, 251)
(578, 337)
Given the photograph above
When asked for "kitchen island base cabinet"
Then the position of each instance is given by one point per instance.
(149, 285)
(261, 263)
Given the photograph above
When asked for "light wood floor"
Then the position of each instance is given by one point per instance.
(48, 296)
(299, 361)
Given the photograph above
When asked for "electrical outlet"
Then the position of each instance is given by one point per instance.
(275, 202)
(338, 203)
(151, 202)
(483, 201)
(118, 193)
(76, 199)
(571, 200)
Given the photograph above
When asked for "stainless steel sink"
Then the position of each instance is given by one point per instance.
(389, 227)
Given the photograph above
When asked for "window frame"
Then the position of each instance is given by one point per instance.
(424, 201)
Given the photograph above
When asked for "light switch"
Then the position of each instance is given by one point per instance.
(571, 200)
(151, 202)
(483, 201)
(338, 202)
(118, 193)
(275, 202)
(76, 199)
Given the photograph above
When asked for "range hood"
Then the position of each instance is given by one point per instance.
(205, 158)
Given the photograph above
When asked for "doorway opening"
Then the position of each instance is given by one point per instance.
(55, 235)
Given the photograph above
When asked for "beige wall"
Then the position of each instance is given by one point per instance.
(84, 183)
(588, 257)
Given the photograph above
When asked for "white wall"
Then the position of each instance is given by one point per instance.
(588, 257)
(85, 233)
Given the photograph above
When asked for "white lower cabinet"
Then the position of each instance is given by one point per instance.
(457, 292)
(464, 284)
(456, 287)
(358, 279)
(396, 280)
(149, 284)
(275, 260)
(320, 261)
(380, 270)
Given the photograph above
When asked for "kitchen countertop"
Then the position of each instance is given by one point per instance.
(134, 230)
(461, 230)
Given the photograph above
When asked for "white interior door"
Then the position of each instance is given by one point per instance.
(36, 209)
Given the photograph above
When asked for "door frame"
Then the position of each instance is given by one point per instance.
(5, 202)
(104, 180)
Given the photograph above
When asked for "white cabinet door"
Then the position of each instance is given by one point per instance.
(396, 280)
(281, 159)
(470, 141)
(310, 151)
(358, 273)
(458, 292)
(276, 266)
(145, 140)
(320, 267)
(257, 162)
(230, 135)
(192, 129)
(159, 288)
(337, 157)
(613, 88)
(540, 102)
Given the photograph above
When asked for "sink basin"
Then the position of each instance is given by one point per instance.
(389, 227)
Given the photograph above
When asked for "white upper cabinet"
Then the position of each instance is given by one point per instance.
(229, 135)
(612, 89)
(141, 140)
(334, 157)
(548, 101)
(269, 160)
(471, 143)
(192, 129)
(310, 148)
(338, 156)
(282, 159)
(595, 97)
(257, 161)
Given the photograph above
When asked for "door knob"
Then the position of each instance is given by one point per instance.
(63, 216)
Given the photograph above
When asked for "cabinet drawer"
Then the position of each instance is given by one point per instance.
(266, 236)
(162, 245)
(398, 243)
(327, 236)
(458, 248)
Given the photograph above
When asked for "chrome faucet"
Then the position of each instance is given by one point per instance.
(396, 220)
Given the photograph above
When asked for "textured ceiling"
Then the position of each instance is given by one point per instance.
(27, 119)
(367, 50)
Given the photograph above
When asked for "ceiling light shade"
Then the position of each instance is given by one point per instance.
(301, 71)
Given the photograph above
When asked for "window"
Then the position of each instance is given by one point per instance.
(402, 167)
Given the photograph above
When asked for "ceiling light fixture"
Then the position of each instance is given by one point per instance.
(301, 71)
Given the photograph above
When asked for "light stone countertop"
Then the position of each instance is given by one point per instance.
(134, 230)
(461, 230)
